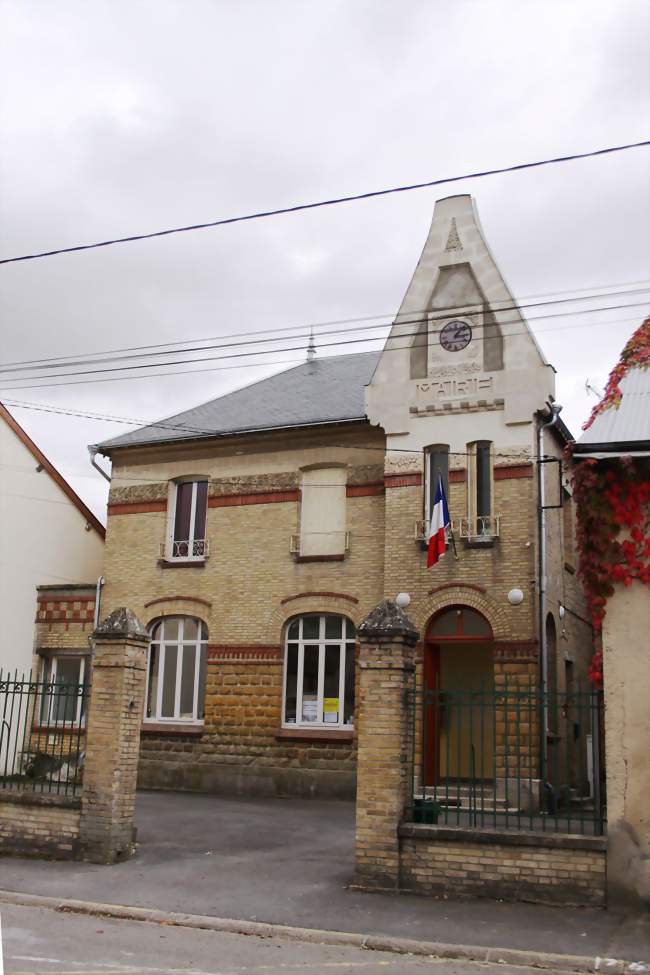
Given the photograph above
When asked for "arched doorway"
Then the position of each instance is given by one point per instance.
(459, 691)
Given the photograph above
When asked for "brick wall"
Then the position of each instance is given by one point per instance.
(39, 825)
(507, 866)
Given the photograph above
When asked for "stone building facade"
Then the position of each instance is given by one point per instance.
(254, 533)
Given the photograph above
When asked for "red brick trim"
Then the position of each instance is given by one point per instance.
(333, 595)
(261, 497)
(458, 476)
(319, 558)
(63, 611)
(58, 479)
(402, 480)
(171, 599)
(314, 734)
(136, 507)
(457, 585)
(516, 471)
(364, 490)
(255, 651)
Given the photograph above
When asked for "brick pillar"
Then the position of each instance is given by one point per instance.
(386, 671)
(113, 737)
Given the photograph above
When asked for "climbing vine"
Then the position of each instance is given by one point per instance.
(613, 509)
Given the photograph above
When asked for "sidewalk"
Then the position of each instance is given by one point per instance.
(288, 862)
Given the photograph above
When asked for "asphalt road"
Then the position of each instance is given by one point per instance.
(44, 942)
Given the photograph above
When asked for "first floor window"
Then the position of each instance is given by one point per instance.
(436, 468)
(176, 670)
(188, 527)
(319, 672)
(64, 690)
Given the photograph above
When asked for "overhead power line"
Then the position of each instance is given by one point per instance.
(421, 315)
(588, 292)
(296, 208)
(43, 381)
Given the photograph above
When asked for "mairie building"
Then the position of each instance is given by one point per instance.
(254, 533)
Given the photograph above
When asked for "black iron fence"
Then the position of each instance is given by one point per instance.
(508, 757)
(42, 734)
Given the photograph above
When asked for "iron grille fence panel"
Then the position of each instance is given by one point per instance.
(507, 757)
(42, 734)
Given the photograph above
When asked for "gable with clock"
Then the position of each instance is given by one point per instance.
(459, 342)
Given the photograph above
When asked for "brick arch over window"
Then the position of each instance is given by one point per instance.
(466, 596)
(321, 603)
(157, 609)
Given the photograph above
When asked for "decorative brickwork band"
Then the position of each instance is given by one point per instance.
(457, 585)
(260, 497)
(136, 507)
(516, 471)
(402, 480)
(253, 652)
(172, 599)
(364, 490)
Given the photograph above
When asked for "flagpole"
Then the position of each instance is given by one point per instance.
(451, 530)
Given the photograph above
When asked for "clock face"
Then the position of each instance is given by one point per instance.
(455, 336)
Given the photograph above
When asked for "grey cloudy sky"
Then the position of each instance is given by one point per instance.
(123, 116)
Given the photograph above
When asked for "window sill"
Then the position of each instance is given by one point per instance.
(181, 563)
(319, 558)
(173, 728)
(480, 541)
(314, 734)
(59, 727)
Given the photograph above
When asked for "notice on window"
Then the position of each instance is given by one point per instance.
(310, 709)
(331, 710)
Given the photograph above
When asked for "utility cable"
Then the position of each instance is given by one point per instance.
(421, 316)
(296, 208)
(390, 347)
(593, 291)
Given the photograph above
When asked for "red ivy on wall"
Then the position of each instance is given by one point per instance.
(613, 508)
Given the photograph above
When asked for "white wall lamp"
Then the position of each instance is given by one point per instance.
(402, 600)
(515, 597)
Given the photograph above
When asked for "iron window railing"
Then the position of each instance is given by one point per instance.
(188, 550)
(42, 734)
(507, 757)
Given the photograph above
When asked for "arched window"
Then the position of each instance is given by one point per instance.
(319, 672)
(176, 670)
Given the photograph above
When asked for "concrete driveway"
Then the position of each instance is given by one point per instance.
(288, 861)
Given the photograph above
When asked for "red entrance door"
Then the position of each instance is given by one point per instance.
(458, 682)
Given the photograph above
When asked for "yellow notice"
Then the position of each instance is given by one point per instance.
(330, 705)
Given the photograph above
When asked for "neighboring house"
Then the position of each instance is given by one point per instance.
(253, 533)
(49, 536)
(612, 480)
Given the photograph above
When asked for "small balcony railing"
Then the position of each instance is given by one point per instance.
(484, 526)
(472, 528)
(190, 550)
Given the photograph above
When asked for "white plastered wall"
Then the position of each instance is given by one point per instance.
(44, 541)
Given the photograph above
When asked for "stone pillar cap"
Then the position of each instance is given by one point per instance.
(122, 623)
(387, 619)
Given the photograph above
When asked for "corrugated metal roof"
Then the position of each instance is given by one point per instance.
(629, 423)
(327, 390)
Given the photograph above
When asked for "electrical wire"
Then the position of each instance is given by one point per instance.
(593, 291)
(296, 208)
(390, 347)
(422, 316)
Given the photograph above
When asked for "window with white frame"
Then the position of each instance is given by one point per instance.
(319, 672)
(176, 670)
(64, 691)
(186, 532)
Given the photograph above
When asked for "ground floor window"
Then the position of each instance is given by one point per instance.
(176, 670)
(319, 672)
(63, 700)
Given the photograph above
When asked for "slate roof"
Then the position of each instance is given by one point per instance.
(329, 390)
(626, 428)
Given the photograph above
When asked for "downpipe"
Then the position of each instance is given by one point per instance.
(555, 410)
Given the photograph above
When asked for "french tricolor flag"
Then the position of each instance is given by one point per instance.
(437, 529)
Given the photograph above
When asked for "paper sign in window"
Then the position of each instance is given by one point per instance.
(331, 710)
